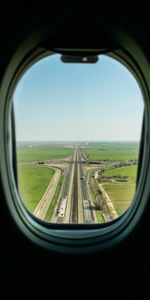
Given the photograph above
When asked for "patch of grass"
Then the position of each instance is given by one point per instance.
(27, 154)
(129, 171)
(54, 200)
(32, 182)
(99, 217)
(112, 151)
(121, 195)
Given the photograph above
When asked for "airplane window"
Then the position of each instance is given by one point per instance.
(78, 129)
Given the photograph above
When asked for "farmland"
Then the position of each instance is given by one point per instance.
(121, 194)
(32, 153)
(128, 172)
(115, 151)
(33, 182)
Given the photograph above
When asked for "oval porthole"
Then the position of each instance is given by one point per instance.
(74, 129)
(78, 130)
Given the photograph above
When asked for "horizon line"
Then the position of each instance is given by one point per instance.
(73, 141)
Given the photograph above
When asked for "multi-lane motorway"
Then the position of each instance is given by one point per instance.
(74, 205)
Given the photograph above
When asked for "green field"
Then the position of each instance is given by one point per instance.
(121, 195)
(33, 182)
(129, 171)
(112, 151)
(27, 154)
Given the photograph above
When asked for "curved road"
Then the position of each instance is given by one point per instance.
(43, 205)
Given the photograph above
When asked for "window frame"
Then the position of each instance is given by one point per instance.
(78, 238)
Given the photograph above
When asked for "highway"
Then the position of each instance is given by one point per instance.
(86, 203)
(77, 215)
(67, 209)
(74, 205)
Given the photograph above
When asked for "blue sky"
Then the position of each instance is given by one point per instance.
(55, 101)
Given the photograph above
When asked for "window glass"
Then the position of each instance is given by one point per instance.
(78, 129)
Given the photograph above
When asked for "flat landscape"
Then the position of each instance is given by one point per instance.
(78, 182)
(36, 152)
(112, 151)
